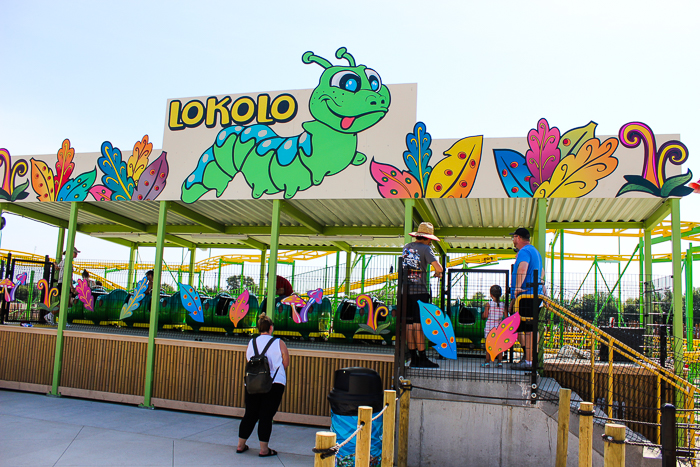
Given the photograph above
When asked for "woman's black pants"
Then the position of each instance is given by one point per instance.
(260, 408)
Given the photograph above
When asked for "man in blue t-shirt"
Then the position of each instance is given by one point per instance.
(527, 262)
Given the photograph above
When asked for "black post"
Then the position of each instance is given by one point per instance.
(400, 342)
(533, 343)
(668, 436)
(443, 285)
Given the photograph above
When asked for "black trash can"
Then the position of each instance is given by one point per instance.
(352, 388)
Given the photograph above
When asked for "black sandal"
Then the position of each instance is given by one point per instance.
(241, 451)
(270, 452)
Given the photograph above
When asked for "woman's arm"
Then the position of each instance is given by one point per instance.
(487, 308)
(285, 354)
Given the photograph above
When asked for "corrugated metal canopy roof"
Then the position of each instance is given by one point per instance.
(363, 224)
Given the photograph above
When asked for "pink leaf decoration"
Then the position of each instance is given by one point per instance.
(239, 308)
(544, 154)
(503, 336)
(392, 183)
(85, 294)
(153, 179)
(101, 193)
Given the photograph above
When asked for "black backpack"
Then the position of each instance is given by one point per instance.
(257, 370)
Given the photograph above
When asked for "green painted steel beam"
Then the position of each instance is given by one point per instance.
(594, 225)
(17, 208)
(675, 205)
(660, 214)
(254, 244)
(360, 250)
(685, 234)
(112, 217)
(116, 241)
(474, 231)
(304, 219)
(486, 251)
(155, 305)
(132, 264)
(194, 216)
(193, 257)
(274, 249)
(342, 246)
(65, 296)
(409, 204)
(541, 229)
(363, 230)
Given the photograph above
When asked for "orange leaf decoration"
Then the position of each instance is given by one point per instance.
(64, 165)
(503, 336)
(139, 158)
(453, 177)
(42, 181)
(239, 308)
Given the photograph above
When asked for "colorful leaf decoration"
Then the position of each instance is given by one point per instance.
(191, 301)
(393, 183)
(675, 186)
(578, 175)
(78, 189)
(570, 142)
(503, 336)
(85, 294)
(153, 179)
(139, 158)
(513, 172)
(115, 174)
(64, 165)
(453, 177)
(42, 181)
(315, 296)
(418, 154)
(135, 300)
(438, 329)
(101, 193)
(544, 155)
(239, 308)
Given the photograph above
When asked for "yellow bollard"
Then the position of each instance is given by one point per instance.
(404, 406)
(563, 427)
(364, 437)
(614, 453)
(324, 440)
(389, 428)
(585, 436)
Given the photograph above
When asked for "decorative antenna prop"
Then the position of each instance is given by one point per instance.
(135, 300)
(503, 336)
(371, 326)
(438, 329)
(191, 302)
(315, 296)
(239, 308)
(85, 294)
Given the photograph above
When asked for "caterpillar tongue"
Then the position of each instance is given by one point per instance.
(346, 122)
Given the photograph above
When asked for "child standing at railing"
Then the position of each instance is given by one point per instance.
(494, 313)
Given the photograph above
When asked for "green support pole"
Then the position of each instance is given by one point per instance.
(348, 272)
(132, 262)
(240, 282)
(648, 261)
(541, 230)
(325, 275)
(595, 289)
(337, 279)
(59, 244)
(689, 298)
(218, 278)
(408, 219)
(294, 264)
(193, 257)
(641, 281)
(155, 305)
(619, 291)
(362, 277)
(677, 286)
(274, 250)
(261, 287)
(30, 293)
(65, 295)
(561, 266)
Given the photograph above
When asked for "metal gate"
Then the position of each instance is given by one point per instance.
(19, 302)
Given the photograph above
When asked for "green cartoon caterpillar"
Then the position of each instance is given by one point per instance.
(348, 100)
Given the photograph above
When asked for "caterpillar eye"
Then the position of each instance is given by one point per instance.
(375, 82)
(346, 80)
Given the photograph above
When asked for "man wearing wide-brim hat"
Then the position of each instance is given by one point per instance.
(417, 258)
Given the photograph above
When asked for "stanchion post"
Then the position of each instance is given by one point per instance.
(389, 428)
(324, 440)
(614, 451)
(563, 427)
(364, 436)
(668, 436)
(585, 436)
(404, 406)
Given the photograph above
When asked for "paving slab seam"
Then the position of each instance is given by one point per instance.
(69, 445)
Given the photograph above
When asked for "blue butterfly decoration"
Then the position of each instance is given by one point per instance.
(438, 329)
(514, 174)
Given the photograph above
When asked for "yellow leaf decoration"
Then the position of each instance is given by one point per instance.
(42, 181)
(139, 158)
(453, 177)
(578, 175)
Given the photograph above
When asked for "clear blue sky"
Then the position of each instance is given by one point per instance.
(94, 71)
